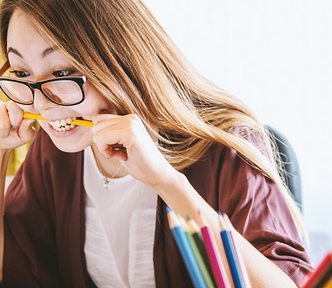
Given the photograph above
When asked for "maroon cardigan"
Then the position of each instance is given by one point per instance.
(45, 221)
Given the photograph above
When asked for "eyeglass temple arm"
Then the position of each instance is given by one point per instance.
(4, 67)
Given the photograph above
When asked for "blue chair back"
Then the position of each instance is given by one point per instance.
(289, 162)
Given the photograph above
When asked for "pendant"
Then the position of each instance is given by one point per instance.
(106, 181)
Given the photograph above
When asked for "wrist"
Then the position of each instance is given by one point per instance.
(171, 181)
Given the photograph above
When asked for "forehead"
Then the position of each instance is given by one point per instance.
(27, 42)
(23, 33)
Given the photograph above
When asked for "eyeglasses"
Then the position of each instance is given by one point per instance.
(65, 91)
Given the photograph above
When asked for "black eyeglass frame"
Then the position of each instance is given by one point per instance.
(37, 85)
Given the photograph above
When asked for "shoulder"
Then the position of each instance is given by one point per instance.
(44, 167)
(222, 176)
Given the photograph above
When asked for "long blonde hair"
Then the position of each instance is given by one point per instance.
(128, 56)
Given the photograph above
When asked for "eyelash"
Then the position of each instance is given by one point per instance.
(19, 74)
(67, 73)
(22, 74)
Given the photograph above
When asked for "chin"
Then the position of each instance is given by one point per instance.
(65, 148)
(72, 141)
(68, 146)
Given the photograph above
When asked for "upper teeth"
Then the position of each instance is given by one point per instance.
(62, 124)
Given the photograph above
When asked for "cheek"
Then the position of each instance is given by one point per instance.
(28, 108)
(95, 100)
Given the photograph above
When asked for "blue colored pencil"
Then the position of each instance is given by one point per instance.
(185, 250)
(238, 254)
(209, 281)
(232, 259)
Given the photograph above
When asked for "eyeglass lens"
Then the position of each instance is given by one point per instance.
(63, 92)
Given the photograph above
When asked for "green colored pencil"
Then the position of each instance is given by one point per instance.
(209, 281)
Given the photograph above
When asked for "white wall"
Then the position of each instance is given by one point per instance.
(277, 57)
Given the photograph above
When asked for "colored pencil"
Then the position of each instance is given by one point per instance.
(315, 277)
(329, 283)
(78, 122)
(185, 250)
(238, 254)
(196, 234)
(232, 259)
(324, 279)
(197, 253)
(213, 254)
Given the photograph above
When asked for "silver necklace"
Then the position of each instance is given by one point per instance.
(105, 179)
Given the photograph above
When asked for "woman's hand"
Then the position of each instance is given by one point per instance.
(14, 130)
(142, 159)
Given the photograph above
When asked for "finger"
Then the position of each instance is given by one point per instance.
(26, 132)
(103, 116)
(15, 114)
(5, 124)
(105, 120)
(115, 153)
(106, 138)
(109, 143)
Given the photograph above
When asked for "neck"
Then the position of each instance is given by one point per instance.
(108, 167)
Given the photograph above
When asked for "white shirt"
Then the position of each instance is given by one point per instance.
(120, 227)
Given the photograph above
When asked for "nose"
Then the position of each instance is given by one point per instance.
(41, 102)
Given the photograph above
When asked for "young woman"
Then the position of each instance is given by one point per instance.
(88, 206)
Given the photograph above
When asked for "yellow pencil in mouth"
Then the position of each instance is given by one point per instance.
(78, 122)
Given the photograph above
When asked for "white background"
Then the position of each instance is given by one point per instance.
(277, 57)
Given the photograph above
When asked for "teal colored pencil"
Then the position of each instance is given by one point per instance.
(185, 250)
(197, 253)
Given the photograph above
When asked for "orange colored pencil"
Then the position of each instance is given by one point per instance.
(85, 123)
(322, 272)
(328, 284)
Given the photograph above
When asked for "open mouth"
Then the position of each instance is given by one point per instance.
(63, 125)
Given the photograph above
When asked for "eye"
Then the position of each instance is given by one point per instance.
(63, 73)
(20, 74)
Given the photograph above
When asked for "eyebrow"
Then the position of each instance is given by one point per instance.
(44, 54)
(48, 51)
(13, 50)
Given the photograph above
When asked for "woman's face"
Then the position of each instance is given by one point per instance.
(32, 58)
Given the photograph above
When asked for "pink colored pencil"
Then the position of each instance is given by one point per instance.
(213, 254)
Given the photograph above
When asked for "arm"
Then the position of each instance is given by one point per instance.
(180, 195)
(144, 162)
(4, 158)
(13, 133)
